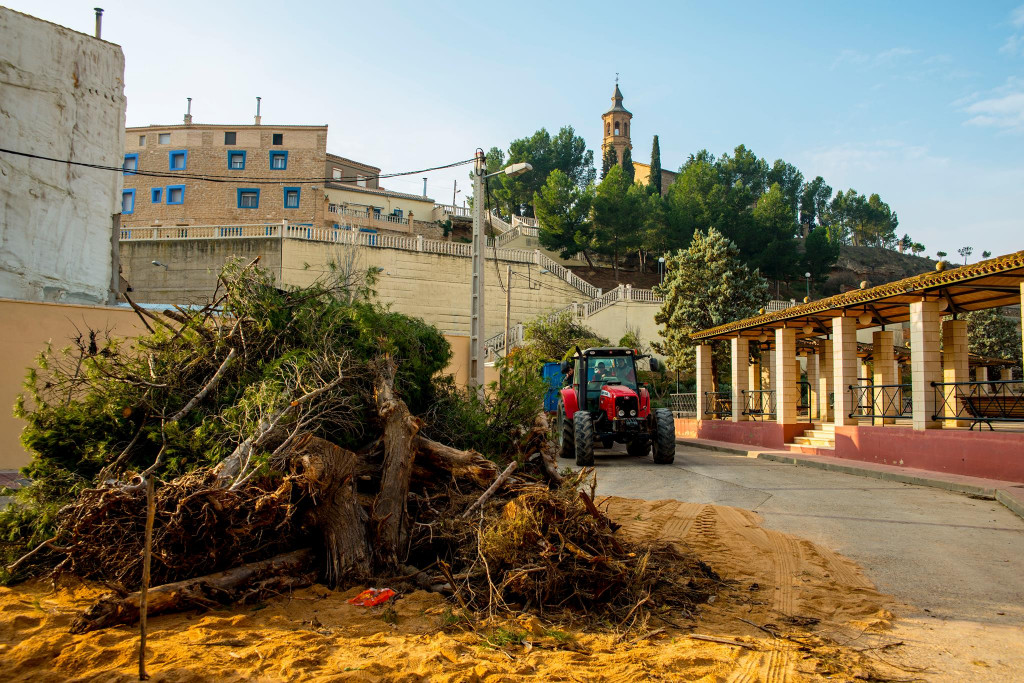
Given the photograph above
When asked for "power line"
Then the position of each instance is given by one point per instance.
(216, 178)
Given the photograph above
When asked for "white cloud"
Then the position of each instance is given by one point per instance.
(1014, 44)
(1001, 108)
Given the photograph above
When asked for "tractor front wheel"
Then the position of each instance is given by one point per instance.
(583, 438)
(664, 437)
(566, 449)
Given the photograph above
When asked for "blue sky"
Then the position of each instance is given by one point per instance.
(922, 102)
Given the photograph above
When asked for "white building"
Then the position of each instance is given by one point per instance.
(63, 98)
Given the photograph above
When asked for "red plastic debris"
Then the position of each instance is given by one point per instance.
(371, 597)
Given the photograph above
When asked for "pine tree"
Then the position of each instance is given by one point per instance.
(655, 179)
(627, 166)
(705, 285)
(610, 159)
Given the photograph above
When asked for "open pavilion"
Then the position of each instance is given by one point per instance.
(942, 420)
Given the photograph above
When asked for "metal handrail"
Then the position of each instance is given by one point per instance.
(979, 402)
(759, 403)
(881, 400)
(684, 405)
(718, 403)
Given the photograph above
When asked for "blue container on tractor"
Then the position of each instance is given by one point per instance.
(552, 374)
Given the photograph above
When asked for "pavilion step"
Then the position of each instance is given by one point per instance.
(829, 427)
(816, 441)
(820, 434)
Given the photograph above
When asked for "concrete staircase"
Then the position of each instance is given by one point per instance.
(821, 437)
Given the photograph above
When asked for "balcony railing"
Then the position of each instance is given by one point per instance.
(684, 405)
(718, 404)
(759, 404)
(979, 402)
(880, 400)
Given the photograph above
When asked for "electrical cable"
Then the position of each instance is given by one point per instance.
(216, 178)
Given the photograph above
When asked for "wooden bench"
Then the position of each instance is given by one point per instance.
(995, 407)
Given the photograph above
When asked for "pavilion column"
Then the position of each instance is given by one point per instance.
(863, 371)
(754, 376)
(740, 376)
(825, 384)
(1021, 321)
(844, 368)
(703, 379)
(813, 365)
(769, 379)
(883, 399)
(981, 374)
(955, 366)
(925, 363)
(787, 376)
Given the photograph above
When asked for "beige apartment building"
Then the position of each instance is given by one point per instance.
(225, 175)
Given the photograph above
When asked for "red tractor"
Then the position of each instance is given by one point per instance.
(603, 403)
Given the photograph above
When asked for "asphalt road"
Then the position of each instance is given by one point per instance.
(957, 561)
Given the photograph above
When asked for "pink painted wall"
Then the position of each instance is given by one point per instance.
(993, 455)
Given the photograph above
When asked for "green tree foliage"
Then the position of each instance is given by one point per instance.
(814, 199)
(655, 178)
(608, 161)
(563, 210)
(775, 218)
(790, 181)
(994, 335)
(917, 248)
(820, 255)
(627, 165)
(705, 285)
(854, 219)
(555, 338)
(617, 206)
(565, 151)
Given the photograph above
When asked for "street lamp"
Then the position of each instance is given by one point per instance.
(808, 276)
(476, 324)
(661, 269)
(159, 265)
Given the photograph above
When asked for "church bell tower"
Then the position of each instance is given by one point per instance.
(616, 126)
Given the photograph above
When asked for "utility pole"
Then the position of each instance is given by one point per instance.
(476, 325)
(455, 190)
(508, 307)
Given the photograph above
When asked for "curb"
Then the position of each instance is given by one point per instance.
(1012, 498)
(901, 477)
(707, 446)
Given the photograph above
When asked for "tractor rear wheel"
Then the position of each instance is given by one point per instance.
(565, 434)
(664, 437)
(639, 447)
(583, 438)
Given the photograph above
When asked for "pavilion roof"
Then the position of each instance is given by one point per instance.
(986, 284)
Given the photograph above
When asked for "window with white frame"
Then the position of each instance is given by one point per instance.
(164, 138)
(361, 181)
(336, 174)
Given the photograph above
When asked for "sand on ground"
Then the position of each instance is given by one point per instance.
(788, 586)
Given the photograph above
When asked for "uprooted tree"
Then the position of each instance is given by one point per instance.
(306, 435)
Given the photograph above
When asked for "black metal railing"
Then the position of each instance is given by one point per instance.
(980, 402)
(804, 402)
(881, 400)
(684, 405)
(718, 404)
(759, 404)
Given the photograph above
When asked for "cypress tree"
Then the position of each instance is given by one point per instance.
(627, 165)
(610, 159)
(655, 179)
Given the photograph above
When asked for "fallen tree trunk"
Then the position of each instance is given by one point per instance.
(461, 464)
(328, 473)
(390, 510)
(250, 581)
(539, 438)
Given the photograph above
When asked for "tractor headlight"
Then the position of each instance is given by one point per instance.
(632, 413)
(621, 412)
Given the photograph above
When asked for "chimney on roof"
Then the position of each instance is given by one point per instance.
(99, 20)
(188, 112)
(424, 187)
(258, 110)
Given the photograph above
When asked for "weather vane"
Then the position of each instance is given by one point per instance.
(616, 78)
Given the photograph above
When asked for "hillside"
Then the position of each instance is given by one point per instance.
(877, 265)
